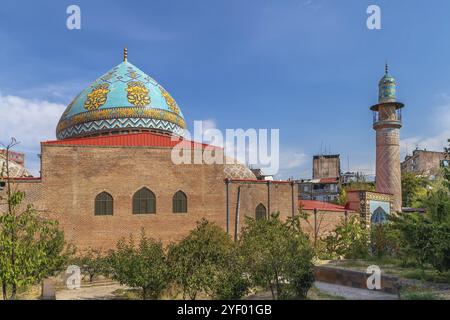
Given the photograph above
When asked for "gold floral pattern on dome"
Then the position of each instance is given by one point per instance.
(97, 97)
(170, 101)
(122, 112)
(137, 94)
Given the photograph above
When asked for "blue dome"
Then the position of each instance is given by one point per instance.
(125, 99)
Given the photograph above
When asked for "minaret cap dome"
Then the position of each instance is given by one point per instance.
(124, 99)
(387, 88)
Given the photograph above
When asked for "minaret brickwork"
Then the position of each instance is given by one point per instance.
(387, 122)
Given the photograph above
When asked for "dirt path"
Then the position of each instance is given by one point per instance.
(89, 293)
(353, 293)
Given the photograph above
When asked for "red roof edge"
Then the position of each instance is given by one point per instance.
(321, 206)
(259, 181)
(143, 139)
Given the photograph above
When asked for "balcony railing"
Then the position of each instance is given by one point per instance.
(396, 117)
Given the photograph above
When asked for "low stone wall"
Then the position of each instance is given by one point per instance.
(355, 279)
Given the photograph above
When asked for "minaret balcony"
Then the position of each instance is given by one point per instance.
(392, 119)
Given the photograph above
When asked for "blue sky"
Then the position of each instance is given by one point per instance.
(307, 67)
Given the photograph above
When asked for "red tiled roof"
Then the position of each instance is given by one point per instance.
(144, 139)
(321, 206)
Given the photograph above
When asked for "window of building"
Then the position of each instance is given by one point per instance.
(104, 204)
(144, 202)
(179, 202)
(260, 212)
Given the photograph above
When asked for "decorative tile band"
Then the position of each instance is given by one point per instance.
(121, 123)
(121, 112)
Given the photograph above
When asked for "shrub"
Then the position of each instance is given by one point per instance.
(143, 266)
(232, 282)
(198, 262)
(384, 240)
(92, 263)
(349, 240)
(278, 256)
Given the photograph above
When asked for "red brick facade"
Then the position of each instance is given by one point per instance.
(72, 176)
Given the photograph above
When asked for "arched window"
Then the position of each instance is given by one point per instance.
(378, 216)
(179, 202)
(260, 212)
(144, 201)
(103, 204)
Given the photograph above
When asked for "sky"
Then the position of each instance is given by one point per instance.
(309, 68)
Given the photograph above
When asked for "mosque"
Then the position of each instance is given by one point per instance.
(110, 174)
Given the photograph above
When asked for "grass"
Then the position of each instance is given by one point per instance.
(395, 267)
(427, 275)
(419, 295)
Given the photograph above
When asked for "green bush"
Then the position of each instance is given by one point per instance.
(384, 240)
(142, 266)
(349, 240)
(439, 256)
(92, 263)
(199, 262)
(424, 240)
(278, 256)
(232, 283)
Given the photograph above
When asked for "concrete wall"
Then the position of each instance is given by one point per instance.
(326, 166)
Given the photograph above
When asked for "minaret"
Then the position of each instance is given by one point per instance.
(387, 121)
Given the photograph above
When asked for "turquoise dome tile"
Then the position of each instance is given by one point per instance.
(123, 98)
(387, 89)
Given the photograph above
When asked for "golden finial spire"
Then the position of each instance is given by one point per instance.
(125, 54)
(386, 67)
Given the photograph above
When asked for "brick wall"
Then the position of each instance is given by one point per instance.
(72, 176)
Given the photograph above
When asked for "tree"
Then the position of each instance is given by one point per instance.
(92, 262)
(416, 240)
(360, 184)
(231, 282)
(31, 246)
(143, 266)
(349, 240)
(315, 225)
(413, 187)
(384, 240)
(278, 256)
(198, 261)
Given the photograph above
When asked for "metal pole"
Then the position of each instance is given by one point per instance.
(268, 198)
(227, 185)
(236, 224)
(292, 194)
(315, 226)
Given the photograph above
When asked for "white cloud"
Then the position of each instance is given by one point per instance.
(30, 122)
(294, 163)
(432, 142)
